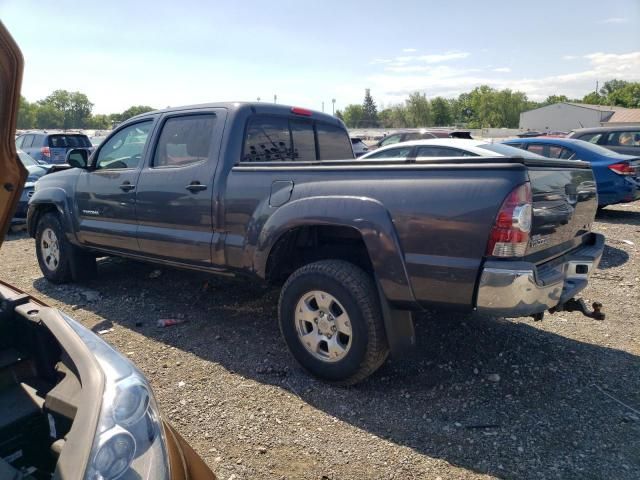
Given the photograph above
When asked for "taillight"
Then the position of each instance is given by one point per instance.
(622, 168)
(510, 233)
(45, 151)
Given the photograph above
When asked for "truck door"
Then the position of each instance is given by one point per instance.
(175, 191)
(106, 195)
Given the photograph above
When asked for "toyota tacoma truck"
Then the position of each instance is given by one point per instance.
(274, 193)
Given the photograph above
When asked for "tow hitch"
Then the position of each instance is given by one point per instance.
(578, 305)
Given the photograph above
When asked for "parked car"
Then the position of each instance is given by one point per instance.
(51, 147)
(617, 176)
(359, 147)
(531, 133)
(35, 171)
(71, 406)
(421, 134)
(619, 139)
(274, 193)
(446, 147)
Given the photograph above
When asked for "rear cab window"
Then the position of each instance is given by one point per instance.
(272, 138)
(69, 141)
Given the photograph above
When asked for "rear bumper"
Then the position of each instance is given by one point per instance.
(520, 289)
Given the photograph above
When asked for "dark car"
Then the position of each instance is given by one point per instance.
(359, 147)
(420, 134)
(51, 147)
(617, 176)
(35, 171)
(619, 139)
(71, 406)
(273, 193)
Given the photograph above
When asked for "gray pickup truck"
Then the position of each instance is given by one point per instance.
(358, 246)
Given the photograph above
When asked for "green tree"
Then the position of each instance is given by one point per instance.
(48, 116)
(353, 115)
(339, 115)
(26, 114)
(74, 107)
(133, 111)
(369, 110)
(611, 86)
(594, 98)
(99, 122)
(551, 99)
(418, 110)
(440, 112)
(627, 96)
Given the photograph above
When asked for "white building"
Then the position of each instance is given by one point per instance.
(567, 116)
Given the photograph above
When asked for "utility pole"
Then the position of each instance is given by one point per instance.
(596, 86)
(333, 107)
(275, 98)
(258, 98)
(322, 107)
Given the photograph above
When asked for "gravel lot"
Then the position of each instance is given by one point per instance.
(480, 397)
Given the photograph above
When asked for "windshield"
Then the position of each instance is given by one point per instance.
(26, 160)
(509, 151)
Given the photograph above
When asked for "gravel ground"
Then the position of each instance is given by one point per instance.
(480, 397)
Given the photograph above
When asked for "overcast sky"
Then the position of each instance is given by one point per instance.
(173, 53)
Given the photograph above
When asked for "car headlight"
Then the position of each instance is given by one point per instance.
(129, 442)
(29, 184)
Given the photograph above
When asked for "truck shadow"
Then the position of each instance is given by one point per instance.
(612, 257)
(509, 399)
(608, 215)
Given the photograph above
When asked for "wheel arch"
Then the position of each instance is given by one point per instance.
(366, 219)
(45, 201)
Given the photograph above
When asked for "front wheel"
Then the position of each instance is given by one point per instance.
(330, 318)
(59, 260)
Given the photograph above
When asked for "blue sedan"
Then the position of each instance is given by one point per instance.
(617, 176)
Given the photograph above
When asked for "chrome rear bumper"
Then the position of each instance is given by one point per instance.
(520, 289)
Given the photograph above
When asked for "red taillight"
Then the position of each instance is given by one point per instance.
(622, 168)
(45, 151)
(301, 111)
(510, 233)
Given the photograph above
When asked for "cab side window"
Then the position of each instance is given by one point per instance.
(399, 152)
(184, 140)
(124, 149)
(390, 140)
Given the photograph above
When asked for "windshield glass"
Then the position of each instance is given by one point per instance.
(509, 151)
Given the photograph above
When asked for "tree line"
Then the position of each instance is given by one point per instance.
(69, 110)
(482, 107)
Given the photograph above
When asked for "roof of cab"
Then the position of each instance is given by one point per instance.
(256, 107)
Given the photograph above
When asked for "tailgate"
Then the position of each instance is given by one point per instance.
(564, 207)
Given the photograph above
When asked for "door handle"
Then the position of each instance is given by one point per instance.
(196, 187)
(127, 187)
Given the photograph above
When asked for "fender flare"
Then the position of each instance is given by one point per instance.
(368, 216)
(57, 198)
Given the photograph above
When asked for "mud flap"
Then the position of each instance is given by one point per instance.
(399, 327)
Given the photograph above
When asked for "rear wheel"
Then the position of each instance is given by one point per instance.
(330, 318)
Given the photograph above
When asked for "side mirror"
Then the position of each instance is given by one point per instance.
(78, 157)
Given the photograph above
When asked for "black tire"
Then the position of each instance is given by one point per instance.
(356, 292)
(73, 263)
